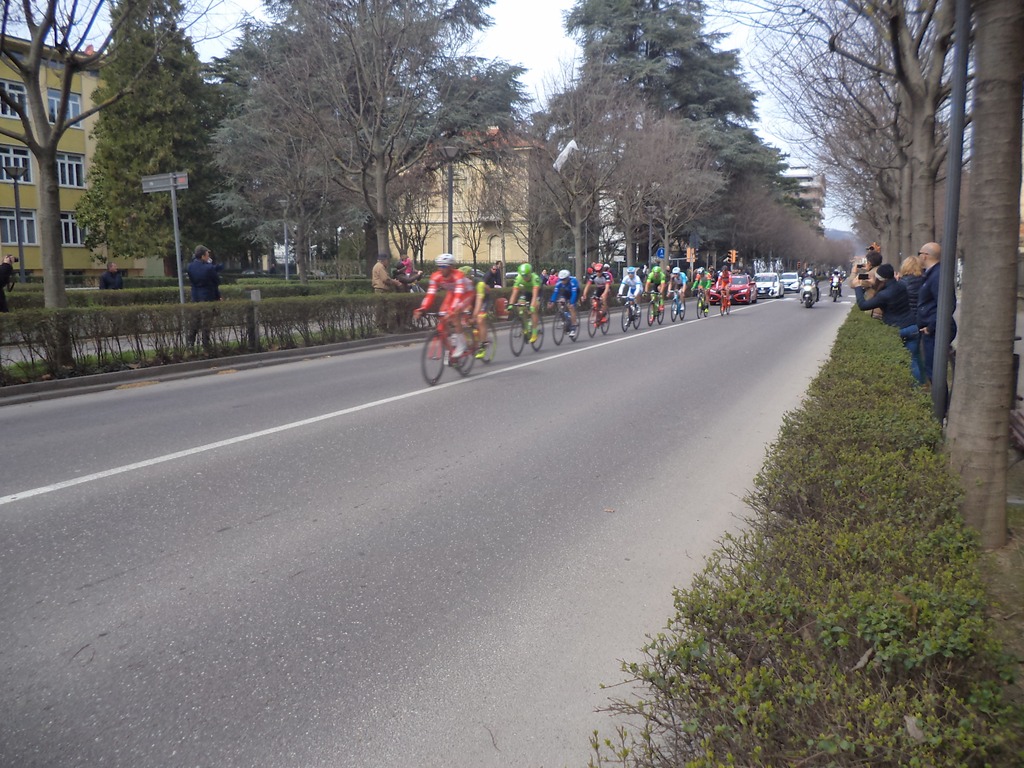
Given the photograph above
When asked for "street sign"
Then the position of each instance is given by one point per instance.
(660, 253)
(165, 182)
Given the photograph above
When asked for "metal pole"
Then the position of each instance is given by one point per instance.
(947, 264)
(177, 242)
(451, 203)
(286, 249)
(17, 227)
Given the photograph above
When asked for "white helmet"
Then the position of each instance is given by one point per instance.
(676, 270)
(445, 260)
(563, 274)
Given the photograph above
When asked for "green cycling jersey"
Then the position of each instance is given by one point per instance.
(656, 276)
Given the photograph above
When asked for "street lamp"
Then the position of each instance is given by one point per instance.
(17, 172)
(284, 204)
(450, 153)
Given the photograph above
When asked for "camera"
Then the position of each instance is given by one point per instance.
(14, 259)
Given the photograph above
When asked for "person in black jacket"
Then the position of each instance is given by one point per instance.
(6, 273)
(204, 276)
(891, 297)
(111, 280)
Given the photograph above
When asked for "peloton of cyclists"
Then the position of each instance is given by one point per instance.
(567, 287)
(527, 278)
(457, 299)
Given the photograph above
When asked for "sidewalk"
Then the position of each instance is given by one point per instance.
(48, 390)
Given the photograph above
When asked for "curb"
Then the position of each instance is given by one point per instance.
(48, 390)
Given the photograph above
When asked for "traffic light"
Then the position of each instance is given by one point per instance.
(732, 257)
(691, 255)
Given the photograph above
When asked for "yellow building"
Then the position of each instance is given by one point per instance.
(75, 149)
(490, 207)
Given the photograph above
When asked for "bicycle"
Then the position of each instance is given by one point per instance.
(678, 306)
(702, 303)
(561, 323)
(656, 309)
(598, 317)
(489, 342)
(631, 314)
(724, 301)
(439, 352)
(522, 328)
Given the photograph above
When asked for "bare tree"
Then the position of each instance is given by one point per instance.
(410, 219)
(978, 426)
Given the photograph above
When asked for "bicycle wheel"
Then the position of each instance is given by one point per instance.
(605, 321)
(464, 364)
(652, 312)
(661, 313)
(517, 336)
(491, 345)
(674, 313)
(558, 327)
(682, 309)
(540, 338)
(637, 315)
(432, 359)
(593, 321)
(627, 318)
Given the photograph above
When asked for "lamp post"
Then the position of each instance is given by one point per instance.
(450, 153)
(284, 205)
(17, 172)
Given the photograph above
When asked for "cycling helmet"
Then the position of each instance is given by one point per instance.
(466, 271)
(563, 274)
(607, 267)
(597, 266)
(525, 270)
(676, 270)
(630, 270)
(445, 260)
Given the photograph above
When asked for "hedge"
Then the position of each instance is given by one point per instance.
(846, 626)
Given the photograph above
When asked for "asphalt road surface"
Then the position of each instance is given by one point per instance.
(328, 563)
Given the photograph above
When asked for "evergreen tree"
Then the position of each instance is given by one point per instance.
(162, 124)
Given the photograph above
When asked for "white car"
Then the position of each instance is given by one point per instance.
(791, 281)
(769, 285)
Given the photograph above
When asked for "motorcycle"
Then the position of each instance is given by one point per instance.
(808, 292)
(836, 288)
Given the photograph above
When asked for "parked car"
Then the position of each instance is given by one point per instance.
(791, 281)
(769, 285)
(742, 289)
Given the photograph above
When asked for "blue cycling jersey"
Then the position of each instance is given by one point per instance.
(569, 290)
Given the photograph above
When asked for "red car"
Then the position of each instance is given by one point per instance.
(742, 288)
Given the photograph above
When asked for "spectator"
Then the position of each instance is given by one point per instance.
(928, 305)
(111, 280)
(6, 280)
(406, 274)
(204, 277)
(911, 275)
(891, 297)
(381, 279)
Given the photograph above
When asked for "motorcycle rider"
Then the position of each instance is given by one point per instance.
(811, 279)
(836, 284)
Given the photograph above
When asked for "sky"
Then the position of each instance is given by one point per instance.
(530, 33)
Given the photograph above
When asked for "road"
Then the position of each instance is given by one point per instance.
(327, 563)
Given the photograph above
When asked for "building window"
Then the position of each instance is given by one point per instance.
(71, 170)
(70, 232)
(53, 102)
(28, 226)
(17, 93)
(15, 156)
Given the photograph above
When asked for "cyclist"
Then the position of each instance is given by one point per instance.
(600, 280)
(655, 278)
(527, 278)
(457, 299)
(724, 280)
(677, 282)
(567, 287)
(631, 284)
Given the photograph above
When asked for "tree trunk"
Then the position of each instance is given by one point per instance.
(978, 430)
(54, 294)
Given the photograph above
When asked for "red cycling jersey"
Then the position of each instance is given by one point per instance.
(458, 291)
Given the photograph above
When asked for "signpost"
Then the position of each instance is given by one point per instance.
(170, 182)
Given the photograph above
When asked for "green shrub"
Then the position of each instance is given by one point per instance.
(847, 626)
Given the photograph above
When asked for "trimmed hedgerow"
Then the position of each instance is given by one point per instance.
(847, 625)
